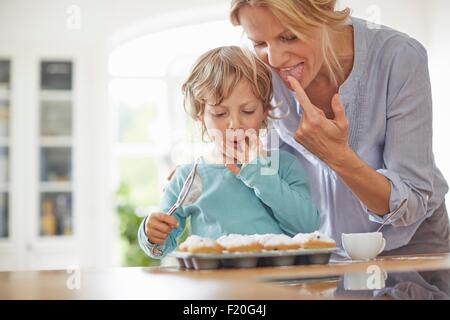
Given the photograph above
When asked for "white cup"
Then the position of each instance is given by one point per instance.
(363, 246)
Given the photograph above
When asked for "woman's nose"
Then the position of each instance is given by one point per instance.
(276, 57)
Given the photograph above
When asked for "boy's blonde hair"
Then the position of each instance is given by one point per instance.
(302, 17)
(217, 72)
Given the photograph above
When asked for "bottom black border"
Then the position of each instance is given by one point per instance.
(224, 309)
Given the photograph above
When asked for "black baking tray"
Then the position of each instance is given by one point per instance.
(253, 259)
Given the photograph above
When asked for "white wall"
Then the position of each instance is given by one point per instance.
(409, 16)
(439, 61)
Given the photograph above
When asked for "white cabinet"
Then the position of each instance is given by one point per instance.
(5, 67)
(42, 202)
(5, 108)
(55, 149)
(54, 238)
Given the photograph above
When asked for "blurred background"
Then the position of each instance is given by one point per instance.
(92, 122)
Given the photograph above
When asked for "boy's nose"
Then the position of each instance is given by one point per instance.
(234, 123)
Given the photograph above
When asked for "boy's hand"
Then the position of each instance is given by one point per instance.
(250, 149)
(247, 151)
(158, 226)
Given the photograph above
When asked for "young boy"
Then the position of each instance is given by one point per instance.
(229, 93)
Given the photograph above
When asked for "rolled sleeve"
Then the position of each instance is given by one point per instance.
(399, 192)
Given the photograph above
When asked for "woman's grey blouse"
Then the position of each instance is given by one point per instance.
(387, 100)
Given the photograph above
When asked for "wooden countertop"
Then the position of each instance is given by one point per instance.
(175, 283)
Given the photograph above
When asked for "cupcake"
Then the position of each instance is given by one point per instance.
(281, 242)
(197, 244)
(239, 243)
(315, 240)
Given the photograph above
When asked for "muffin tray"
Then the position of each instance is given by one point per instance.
(252, 260)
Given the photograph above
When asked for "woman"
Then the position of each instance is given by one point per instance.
(359, 118)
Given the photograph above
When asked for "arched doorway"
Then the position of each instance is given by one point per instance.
(146, 74)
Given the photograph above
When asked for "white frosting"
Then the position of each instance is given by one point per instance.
(302, 237)
(263, 238)
(196, 241)
(239, 240)
(305, 237)
(280, 240)
(236, 240)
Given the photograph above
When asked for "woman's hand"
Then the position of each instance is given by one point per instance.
(328, 140)
(158, 226)
(325, 138)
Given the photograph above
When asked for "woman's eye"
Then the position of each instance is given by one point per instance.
(258, 44)
(289, 38)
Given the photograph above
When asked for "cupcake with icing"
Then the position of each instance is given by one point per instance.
(315, 240)
(239, 243)
(197, 244)
(280, 242)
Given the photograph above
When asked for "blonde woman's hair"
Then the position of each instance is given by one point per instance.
(217, 72)
(301, 17)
